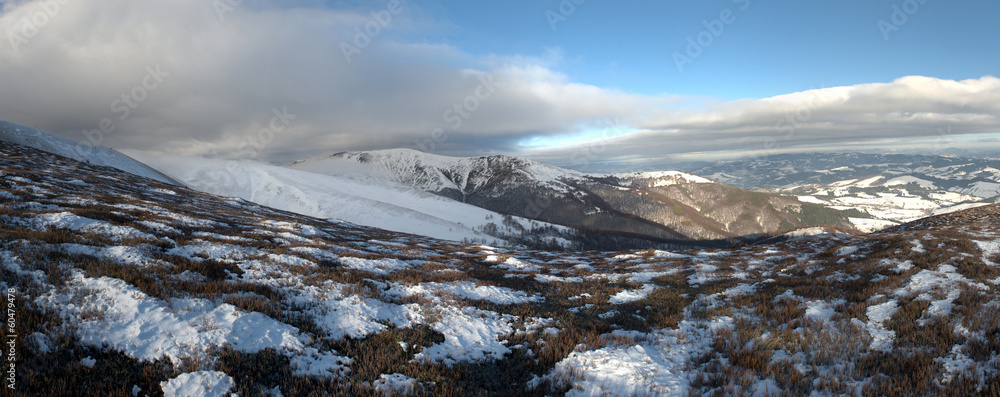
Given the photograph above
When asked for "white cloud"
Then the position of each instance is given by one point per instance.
(226, 76)
(912, 107)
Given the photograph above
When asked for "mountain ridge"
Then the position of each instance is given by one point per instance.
(664, 205)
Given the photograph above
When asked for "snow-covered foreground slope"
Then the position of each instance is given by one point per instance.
(360, 199)
(100, 155)
(121, 285)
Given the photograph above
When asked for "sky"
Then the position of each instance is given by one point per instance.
(571, 82)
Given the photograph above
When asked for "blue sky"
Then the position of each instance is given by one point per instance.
(470, 78)
(772, 47)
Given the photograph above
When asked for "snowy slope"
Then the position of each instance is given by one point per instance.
(980, 189)
(364, 200)
(127, 287)
(41, 140)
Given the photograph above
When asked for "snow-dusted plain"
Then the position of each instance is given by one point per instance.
(129, 286)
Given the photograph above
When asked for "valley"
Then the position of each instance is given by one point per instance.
(890, 189)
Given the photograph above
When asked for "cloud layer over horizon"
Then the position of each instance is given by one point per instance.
(199, 80)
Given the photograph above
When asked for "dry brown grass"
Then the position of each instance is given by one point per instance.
(829, 357)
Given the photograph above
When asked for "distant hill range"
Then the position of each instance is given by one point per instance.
(978, 177)
(891, 188)
(665, 207)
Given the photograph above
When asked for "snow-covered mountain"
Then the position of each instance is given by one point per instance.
(455, 177)
(361, 199)
(891, 188)
(967, 175)
(99, 155)
(889, 200)
(459, 177)
(666, 206)
(122, 285)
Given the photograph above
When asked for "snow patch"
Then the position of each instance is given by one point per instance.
(110, 312)
(661, 365)
(395, 384)
(468, 290)
(470, 335)
(628, 296)
(382, 266)
(69, 220)
(201, 383)
(882, 338)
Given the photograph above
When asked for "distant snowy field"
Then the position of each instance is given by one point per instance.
(888, 201)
